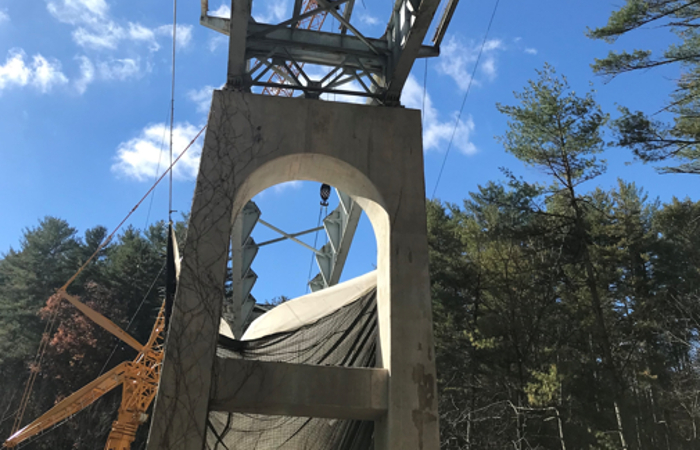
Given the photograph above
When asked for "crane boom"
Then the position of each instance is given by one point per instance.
(139, 380)
(71, 405)
(102, 321)
(314, 22)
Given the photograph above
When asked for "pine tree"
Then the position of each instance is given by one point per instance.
(649, 138)
(560, 133)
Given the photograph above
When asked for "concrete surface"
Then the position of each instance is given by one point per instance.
(372, 153)
(302, 390)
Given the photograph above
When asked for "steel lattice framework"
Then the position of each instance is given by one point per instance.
(275, 57)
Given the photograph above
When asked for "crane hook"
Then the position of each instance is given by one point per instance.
(325, 194)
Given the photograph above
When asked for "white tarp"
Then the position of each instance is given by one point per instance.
(307, 309)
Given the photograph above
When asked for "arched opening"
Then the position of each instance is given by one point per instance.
(298, 245)
(312, 167)
(285, 266)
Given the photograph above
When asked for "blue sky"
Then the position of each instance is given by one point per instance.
(85, 95)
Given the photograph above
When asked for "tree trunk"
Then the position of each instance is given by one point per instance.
(623, 442)
(561, 429)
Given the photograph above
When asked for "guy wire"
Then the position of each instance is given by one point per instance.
(172, 113)
(466, 95)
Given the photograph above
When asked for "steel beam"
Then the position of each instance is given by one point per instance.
(237, 308)
(313, 47)
(347, 13)
(288, 236)
(444, 23)
(406, 31)
(238, 31)
(340, 225)
(284, 238)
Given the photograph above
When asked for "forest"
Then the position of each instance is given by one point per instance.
(566, 316)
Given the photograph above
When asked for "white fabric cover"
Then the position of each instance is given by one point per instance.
(296, 313)
(225, 329)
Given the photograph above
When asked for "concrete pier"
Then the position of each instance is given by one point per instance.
(375, 155)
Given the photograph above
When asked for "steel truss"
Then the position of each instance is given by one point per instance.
(315, 62)
(339, 225)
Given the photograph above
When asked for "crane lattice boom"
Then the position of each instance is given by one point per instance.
(314, 22)
(139, 381)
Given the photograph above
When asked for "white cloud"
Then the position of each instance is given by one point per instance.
(87, 74)
(47, 74)
(138, 33)
(458, 58)
(94, 28)
(289, 185)
(106, 38)
(147, 155)
(120, 69)
(217, 41)
(41, 73)
(437, 133)
(184, 34)
(275, 11)
(222, 11)
(368, 19)
(202, 98)
(78, 11)
(97, 30)
(488, 66)
(15, 71)
(279, 189)
(531, 51)
(4, 16)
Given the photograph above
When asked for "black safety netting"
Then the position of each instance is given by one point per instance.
(346, 337)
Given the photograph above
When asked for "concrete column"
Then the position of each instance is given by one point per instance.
(371, 153)
(236, 269)
(238, 30)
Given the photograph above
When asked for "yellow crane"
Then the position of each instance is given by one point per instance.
(138, 379)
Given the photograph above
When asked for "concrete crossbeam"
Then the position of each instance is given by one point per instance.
(302, 390)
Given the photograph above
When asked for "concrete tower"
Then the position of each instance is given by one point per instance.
(371, 152)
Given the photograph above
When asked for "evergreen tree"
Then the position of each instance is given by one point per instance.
(48, 255)
(649, 138)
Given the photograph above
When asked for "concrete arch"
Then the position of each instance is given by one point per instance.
(374, 154)
(322, 169)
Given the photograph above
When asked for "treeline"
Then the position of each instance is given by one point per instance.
(552, 340)
(563, 319)
(534, 349)
(566, 317)
(124, 283)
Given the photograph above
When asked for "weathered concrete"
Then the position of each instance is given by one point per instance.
(283, 389)
(373, 154)
(237, 282)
